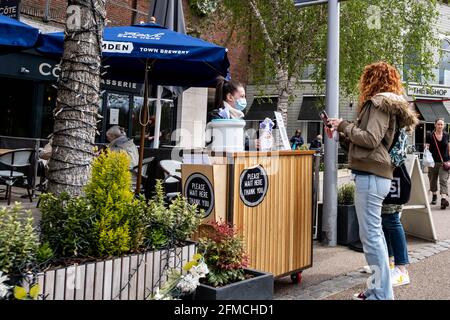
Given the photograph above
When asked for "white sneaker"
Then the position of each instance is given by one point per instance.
(400, 278)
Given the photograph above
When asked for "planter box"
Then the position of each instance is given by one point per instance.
(260, 287)
(132, 277)
(347, 225)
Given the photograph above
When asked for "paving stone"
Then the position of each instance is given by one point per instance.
(303, 297)
(428, 254)
(320, 294)
(413, 260)
(420, 257)
(354, 274)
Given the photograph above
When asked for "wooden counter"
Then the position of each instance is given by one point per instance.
(277, 226)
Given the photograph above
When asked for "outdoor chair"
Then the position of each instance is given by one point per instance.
(172, 177)
(145, 164)
(12, 161)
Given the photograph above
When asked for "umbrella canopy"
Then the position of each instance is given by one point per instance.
(169, 13)
(16, 35)
(175, 58)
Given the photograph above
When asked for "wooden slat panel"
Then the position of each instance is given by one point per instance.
(50, 285)
(157, 276)
(80, 281)
(277, 232)
(70, 283)
(141, 277)
(99, 271)
(133, 279)
(107, 280)
(41, 283)
(124, 280)
(60, 283)
(90, 282)
(116, 282)
(148, 274)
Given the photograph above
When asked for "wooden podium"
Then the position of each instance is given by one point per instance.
(268, 196)
(417, 218)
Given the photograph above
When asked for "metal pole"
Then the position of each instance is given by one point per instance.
(157, 117)
(329, 215)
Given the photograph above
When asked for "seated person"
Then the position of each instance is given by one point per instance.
(118, 141)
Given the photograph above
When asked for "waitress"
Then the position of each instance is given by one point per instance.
(230, 100)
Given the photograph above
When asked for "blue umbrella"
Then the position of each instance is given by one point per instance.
(174, 58)
(156, 55)
(16, 35)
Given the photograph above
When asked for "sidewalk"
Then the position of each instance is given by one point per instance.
(336, 271)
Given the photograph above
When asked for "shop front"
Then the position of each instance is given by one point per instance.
(431, 103)
(28, 91)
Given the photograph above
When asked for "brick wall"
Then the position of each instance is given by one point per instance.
(119, 12)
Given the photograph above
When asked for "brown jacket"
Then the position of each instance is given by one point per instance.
(371, 135)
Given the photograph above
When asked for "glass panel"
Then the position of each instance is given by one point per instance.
(444, 68)
(118, 106)
(48, 106)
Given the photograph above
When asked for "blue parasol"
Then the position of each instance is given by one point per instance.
(16, 35)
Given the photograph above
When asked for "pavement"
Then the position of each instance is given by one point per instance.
(337, 272)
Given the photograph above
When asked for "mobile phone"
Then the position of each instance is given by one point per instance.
(324, 116)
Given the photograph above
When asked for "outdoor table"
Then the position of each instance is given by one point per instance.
(268, 196)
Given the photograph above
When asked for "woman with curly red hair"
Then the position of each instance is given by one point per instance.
(382, 110)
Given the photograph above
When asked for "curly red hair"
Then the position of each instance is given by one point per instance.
(376, 78)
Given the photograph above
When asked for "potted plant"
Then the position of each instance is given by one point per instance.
(347, 221)
(229, 278)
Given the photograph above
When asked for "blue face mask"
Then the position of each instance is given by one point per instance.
(240, 104)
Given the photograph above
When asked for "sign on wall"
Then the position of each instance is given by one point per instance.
(10, 8)
(428, 91)
(198, 190)
(253, 185)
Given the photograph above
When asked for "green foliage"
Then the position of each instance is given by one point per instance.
(346, 194)
(67, 224)
(284, 40)
(203, 7)
(108, 220)
(45, 253)
(18, 239)
(168, 224)
(109, 191)
(223, 252)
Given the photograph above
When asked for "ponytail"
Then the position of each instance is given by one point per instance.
(223, 88)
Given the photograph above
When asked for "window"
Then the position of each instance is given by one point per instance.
(444, 65)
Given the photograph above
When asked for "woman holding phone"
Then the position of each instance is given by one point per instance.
(381, 111)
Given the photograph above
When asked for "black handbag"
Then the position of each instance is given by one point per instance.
(400, 191)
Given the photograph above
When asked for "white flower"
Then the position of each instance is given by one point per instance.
(200, 271)
(158, 296)
(4, 289)
(188, 283)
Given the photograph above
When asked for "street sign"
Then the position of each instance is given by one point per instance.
(10, 8)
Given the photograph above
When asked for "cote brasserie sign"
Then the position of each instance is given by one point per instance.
(429, 91)
(10, 8)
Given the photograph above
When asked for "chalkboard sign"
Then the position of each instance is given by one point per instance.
(253, 186)
(198, 190)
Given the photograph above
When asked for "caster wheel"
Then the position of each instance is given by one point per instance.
(296, 277)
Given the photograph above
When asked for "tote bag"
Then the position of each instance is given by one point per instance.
(400, 191)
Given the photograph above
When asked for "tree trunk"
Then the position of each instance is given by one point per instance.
(78, 98)
(285, 90)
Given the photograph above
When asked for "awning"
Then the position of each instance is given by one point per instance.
(262, 108)
(310, 109)
(431, 111)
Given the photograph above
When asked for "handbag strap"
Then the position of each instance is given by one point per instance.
(437, 147)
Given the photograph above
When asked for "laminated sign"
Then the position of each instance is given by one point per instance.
(253, 185)
(199, 191)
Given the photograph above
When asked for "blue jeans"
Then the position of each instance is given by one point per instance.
(395, 238)
(370, 192)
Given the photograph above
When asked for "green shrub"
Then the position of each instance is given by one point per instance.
(223, 252)
(109, 192)
(346, 194)
(168, 225)
(18, 240)
(67, 224)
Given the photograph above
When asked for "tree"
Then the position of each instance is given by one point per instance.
(285, 40)
(78, 97)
